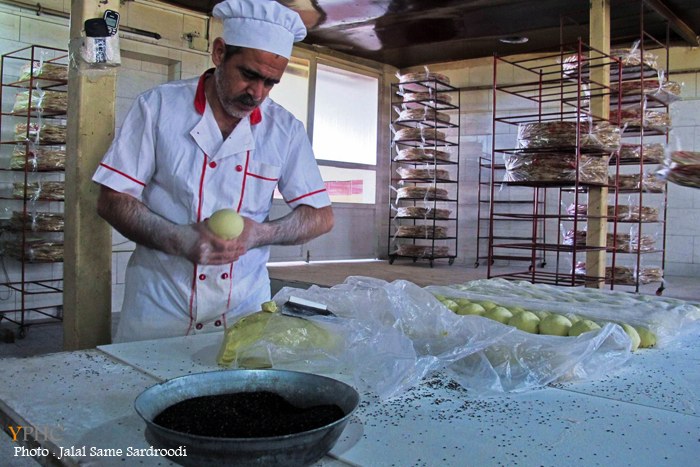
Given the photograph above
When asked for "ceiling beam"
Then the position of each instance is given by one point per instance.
(676, 23)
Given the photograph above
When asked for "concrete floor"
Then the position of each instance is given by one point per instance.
(48, 338)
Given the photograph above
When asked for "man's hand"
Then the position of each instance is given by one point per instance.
(207, 248)
(196, 242)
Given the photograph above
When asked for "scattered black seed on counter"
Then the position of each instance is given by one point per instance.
(245, 415)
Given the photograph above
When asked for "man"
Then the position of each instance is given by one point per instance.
(189, 148)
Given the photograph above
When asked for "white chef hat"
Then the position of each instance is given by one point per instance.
(260, 24)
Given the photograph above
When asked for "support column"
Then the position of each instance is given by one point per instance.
(597, 225)
(87, 294)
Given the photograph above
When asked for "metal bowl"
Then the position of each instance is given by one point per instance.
(300, 389)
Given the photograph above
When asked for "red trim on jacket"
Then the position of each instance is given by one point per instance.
(245, 176)
(262, 178)
(307, 195)
(230, 291)
(255, 116)
(200, 99)
(195, 272)
(122, 174)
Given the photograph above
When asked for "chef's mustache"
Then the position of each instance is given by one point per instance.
(248, 100)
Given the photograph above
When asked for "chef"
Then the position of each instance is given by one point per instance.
(189, 148)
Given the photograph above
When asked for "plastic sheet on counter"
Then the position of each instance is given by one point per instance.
(666, 317)
(387, 337)
(482, 355)
(372, 348)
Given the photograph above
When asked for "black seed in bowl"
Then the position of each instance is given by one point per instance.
(245, 415)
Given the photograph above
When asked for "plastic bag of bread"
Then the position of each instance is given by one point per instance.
(420, 80)
(42, 102)
(422, 154)
(653, 153)
(44, 70)
(682, 168)
(37, 221)
(421, 231)
(657, 88)
(423, 212)
(420, 192)
(49, 131)
(419, 134)
(600, 136)
(625, 212)
(35, 250)
(50, 191)
(639, 116)
(649, 183)
(424, 115)
(38, 158)
(555, 167)
(425, 173)
(252, 340)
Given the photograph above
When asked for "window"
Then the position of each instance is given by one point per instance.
(345, 116)
(345, 112)
(292, 92)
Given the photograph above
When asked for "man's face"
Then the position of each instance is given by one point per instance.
(246, 78)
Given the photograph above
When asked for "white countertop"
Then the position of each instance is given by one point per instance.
(646, 414)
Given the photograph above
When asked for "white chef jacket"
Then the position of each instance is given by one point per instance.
(170, 154)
